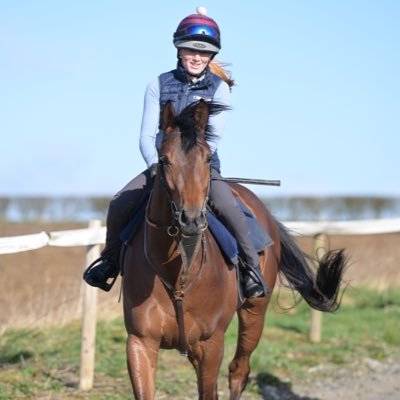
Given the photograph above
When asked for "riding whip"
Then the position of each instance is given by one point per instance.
(269, 182)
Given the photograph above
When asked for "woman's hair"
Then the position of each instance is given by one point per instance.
(218, 68)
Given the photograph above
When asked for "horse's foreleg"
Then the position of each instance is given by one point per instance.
(206, 358)
(251, 323)
(142, 363)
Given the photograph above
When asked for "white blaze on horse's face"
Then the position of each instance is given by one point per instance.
(194, 61)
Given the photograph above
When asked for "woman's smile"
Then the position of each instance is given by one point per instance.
(194, 62)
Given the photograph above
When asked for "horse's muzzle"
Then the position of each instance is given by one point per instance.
(192, 223)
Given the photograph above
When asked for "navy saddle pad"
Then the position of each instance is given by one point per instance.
(224, 238)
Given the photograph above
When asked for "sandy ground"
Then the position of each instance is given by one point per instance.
(43, 287)
(368, 380)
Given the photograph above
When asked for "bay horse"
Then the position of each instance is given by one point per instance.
(179, 292)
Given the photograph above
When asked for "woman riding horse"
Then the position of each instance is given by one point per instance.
(197, 40)
(179, 290)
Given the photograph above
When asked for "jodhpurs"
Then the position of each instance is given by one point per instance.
(122, 208)
(226, 208)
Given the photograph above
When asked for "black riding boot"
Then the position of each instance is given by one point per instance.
(99, 274)
(103, 272)
(252, 281)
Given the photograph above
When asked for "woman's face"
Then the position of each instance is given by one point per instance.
(194, 61)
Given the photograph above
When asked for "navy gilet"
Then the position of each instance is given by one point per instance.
(175, 87)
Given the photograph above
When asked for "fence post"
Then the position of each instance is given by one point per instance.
(88, 341)
(320, 246)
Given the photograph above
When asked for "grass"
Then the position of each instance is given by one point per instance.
(45, 363)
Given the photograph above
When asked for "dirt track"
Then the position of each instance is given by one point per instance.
(42, 287)
(370, 380)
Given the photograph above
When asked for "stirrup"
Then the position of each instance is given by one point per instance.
(253, 274)
(101, 285)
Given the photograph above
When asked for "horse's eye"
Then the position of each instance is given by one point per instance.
(209, 157)
(163, 160)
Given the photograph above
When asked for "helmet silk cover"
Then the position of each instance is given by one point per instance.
(198, 32)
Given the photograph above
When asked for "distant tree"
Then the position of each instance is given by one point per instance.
(382, 205)
(4, 204)
(99, 206)
(70, 208)
(32, 208)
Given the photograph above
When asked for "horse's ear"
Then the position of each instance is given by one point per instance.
(168, 116)
(201, 115)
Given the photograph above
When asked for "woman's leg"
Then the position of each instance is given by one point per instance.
(228, 211)
(122, 208)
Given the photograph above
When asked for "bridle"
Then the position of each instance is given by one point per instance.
(174, 230)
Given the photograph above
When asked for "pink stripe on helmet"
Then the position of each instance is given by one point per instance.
(196, 19)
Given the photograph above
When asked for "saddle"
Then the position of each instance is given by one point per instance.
(222, 235)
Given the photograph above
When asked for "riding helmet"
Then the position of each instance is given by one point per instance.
(198, 32)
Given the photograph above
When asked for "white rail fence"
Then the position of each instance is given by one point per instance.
(94, 236)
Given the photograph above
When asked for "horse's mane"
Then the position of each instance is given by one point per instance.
(186, 122)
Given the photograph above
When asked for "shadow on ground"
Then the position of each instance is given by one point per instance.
(272, 388)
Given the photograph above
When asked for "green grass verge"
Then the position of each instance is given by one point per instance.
(35, 363)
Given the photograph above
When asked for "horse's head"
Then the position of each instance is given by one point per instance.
(184, 164)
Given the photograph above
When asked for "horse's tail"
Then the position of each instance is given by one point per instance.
(319, 289)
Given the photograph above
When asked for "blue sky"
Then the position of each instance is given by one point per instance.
(316, 104)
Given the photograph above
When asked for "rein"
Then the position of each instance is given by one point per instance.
(179, 293)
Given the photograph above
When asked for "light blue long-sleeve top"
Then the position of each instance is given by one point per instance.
(150, 134)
